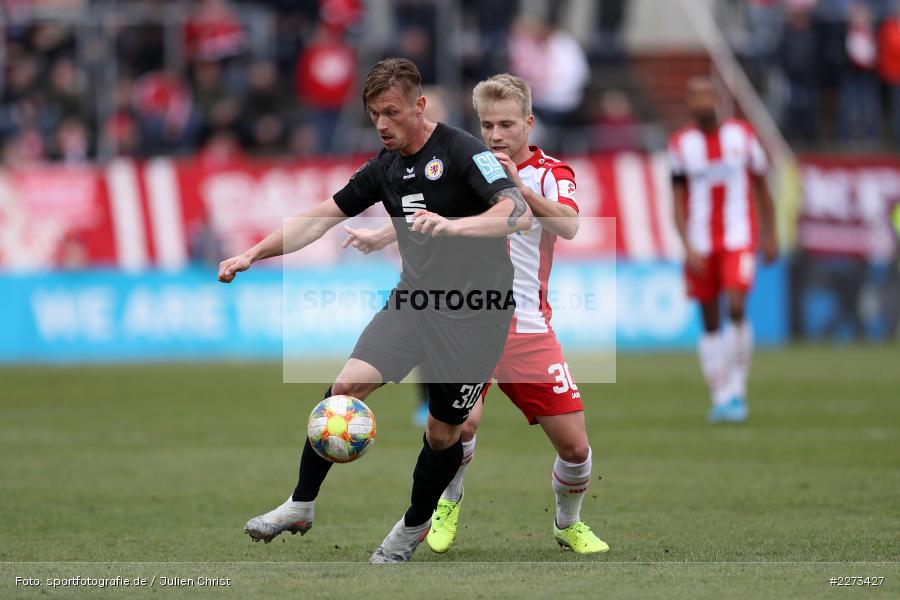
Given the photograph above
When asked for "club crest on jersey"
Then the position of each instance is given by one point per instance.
(434, 169)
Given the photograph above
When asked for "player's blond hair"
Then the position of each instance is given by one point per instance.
(503, 87)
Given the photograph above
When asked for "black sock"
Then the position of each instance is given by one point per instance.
(434, 471)
(313, 469)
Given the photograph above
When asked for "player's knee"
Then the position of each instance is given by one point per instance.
(441, 438)
(576, 453)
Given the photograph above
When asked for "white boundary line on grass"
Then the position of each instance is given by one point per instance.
(472, 562)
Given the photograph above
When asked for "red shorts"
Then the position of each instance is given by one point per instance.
(723, 270)
(533, 373)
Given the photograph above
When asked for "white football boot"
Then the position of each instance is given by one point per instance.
(296, 517)
(400, 543)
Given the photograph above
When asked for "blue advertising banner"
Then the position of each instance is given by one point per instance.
(109, 316)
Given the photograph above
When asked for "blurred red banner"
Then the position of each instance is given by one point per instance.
(847, 204)
(163, 213)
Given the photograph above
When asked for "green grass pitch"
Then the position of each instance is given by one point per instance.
(151, 471)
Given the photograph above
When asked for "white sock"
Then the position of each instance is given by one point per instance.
(402, 535)
(739, 346)
(570, 483)
(455, 487)
(714, 364)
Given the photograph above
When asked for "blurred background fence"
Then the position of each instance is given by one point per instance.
(144, 141)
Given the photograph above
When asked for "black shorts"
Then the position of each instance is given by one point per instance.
(456, 360)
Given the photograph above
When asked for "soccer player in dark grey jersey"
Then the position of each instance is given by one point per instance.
(442, 186)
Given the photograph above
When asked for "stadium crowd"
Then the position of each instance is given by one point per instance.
(220, 79)
(85, 80)
(831, 68)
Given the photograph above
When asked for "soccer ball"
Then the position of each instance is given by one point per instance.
(341, 428)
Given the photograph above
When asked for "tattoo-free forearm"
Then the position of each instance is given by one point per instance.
(298, 232)
(765, 204)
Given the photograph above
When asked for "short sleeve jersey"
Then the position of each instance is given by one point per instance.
(721, 213)
(455, 176)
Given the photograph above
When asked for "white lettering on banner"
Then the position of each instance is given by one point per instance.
(259, 310)
(174, 312)
(244, 208)
(63, 315)
(652, 304)
(846, 210)
(585, 306)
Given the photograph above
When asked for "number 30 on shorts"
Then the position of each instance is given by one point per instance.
(563, 377)
(470, 394)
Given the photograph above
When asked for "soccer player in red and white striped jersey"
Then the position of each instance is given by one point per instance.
(723, 211)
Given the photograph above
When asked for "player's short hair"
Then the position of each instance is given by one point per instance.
(389, 72)
(503, 87)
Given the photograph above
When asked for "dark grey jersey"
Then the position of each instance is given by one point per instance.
(455, 176)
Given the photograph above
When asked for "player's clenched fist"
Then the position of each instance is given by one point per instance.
(230, 267)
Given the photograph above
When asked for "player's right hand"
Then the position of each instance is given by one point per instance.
(230, 267)
(512, 171)
(364, 240)
(695, 261)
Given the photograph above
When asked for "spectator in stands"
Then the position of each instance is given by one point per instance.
(72, 143)
(615, 127)
(607, 45)
(217, 107)
(121, 131)
(797, 54)
(416, 22)
(889, 67)
(165, 113)
(323, 80)
(263, 121)
(763, 24)
(24, 148)
(485, 48)
(859, 106)
(222, 148)
(214, 31)
(65, 93)
(555, 66)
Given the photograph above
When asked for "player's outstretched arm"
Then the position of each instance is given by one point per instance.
(768, 237)
(369, 240)
(554, 216)
(296, 233)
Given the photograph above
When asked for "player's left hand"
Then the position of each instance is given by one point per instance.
(769, 249)
(512, 171)
(432, 224)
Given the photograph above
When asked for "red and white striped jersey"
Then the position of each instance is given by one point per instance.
(532, 251)
(721, 214)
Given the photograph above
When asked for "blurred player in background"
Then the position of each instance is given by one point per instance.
(532, 371)
(425, 170)
(718, 177)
